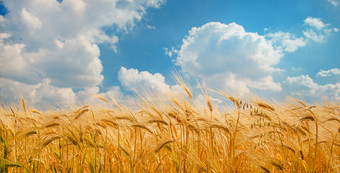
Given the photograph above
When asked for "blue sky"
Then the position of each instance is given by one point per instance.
(67, 52)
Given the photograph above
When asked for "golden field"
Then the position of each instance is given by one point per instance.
(172, 135)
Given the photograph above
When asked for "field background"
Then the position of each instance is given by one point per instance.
(172, 135)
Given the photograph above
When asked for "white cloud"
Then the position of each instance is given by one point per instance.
(59, 41)
(13, 62)
(44, 95)
(324, 73)
(310, 34)
(151, 27)
(304, 86)
(75, 64)
(334, 2)
(139, 82)
(315, 30)
(80, 66)
(225, 55)
(318, 30)
(30, 20)
(286, 41)
(41, 94)
(171, 52)
(314, 22)
(47, 93)
(88, 96)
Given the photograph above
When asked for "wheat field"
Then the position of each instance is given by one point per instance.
(174, 135)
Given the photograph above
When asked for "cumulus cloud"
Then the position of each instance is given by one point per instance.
(89, 96)
(139, 82)
(305, 86)
(226, 56)
(38, 94)
(13, 62)
(44, 95)
(74, 63)
(57, 41)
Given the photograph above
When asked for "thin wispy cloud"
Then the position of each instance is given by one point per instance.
(334, 2)
(324, 73)
(318, 31)
(286, 41)
(315, 31)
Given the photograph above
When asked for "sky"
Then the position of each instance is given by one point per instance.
(67, 52)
